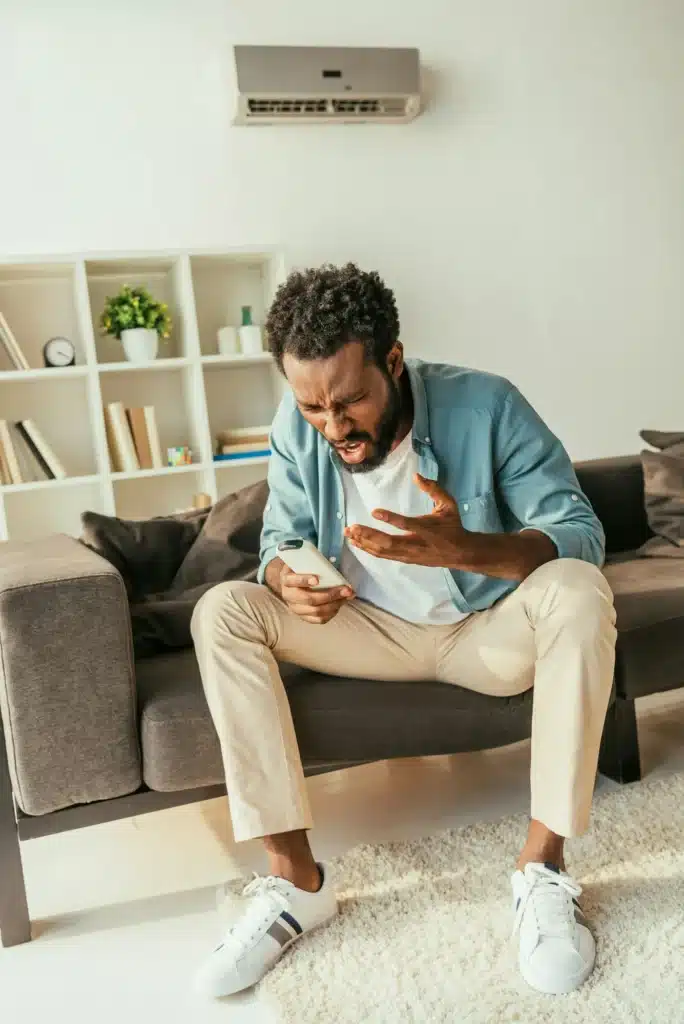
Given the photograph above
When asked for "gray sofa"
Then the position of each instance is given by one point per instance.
(87, 735)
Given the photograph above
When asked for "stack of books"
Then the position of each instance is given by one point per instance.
(247, 443)
(12, 346)
(15, 464)
(133, 438)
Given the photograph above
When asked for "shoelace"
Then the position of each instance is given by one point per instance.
(550, 896)
(265, 898)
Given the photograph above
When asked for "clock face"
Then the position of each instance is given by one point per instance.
(59, 352)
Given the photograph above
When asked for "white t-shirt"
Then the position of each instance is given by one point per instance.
(416, 593)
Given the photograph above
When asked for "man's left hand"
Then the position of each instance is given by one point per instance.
(436, 539)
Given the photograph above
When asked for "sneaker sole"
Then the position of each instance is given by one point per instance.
(226, 994)
(544, 985)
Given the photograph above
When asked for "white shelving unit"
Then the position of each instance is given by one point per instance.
(196, 391)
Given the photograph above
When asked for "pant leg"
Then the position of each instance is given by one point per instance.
(239, 630)
(556, 631)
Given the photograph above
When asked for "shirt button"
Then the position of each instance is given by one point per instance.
(333, 559)
(575, 498)
(339, 515)
(427, 440)
(466, 507)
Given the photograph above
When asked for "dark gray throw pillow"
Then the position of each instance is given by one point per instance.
(664, 493)
(169, 562)
(148, 553)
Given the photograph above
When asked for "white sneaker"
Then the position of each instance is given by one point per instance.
(557, 950)
(274, 914)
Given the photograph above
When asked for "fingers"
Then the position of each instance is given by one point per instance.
(437, 493)
(316, 598)
(394, 519)
(293, 579)
(366, 537)
(321, 616)
(398, 548)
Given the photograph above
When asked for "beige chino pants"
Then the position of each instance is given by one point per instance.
(555, 632)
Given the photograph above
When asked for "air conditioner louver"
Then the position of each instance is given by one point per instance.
(280, 84)
(362, 108)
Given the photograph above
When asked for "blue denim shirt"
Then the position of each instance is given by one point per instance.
(479, 438)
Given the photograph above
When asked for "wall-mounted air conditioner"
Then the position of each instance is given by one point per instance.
(316, 84)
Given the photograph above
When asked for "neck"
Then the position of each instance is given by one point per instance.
(406, 417)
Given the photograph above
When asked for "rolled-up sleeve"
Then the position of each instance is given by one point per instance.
(538, 484)
(288, 512)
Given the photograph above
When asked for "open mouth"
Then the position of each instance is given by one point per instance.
(352, 452)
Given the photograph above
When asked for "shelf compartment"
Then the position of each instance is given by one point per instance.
(237, 400)
(162, 278)
(222, 285)
(169, 391)
(144, 497)
(39, 303)
(28, 519)
(55, 405)
(240, 475)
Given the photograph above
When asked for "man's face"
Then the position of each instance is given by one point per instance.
(354, 404)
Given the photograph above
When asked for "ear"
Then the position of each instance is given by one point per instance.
(395, 360)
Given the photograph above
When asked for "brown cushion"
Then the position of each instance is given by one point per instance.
(649, 601)
(341, 720)
(664, 493)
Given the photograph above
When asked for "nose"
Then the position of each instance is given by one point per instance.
(336, 428)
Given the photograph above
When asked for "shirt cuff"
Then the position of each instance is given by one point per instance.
(267, 557)
(569, 541)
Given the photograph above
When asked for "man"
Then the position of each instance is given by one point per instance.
(472, 558)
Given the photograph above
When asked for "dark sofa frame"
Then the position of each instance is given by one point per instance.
(626, 529)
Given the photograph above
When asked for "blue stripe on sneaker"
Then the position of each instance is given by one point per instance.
(292, 922)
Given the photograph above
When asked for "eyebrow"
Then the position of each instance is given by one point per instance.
(343, 400)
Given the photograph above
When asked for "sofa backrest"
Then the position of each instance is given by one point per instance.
(615, 488)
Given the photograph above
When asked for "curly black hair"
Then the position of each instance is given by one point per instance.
(318, 311)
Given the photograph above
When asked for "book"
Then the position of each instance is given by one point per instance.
(114, 457)
(237, 456)
(10, 453)
(153, 437)
(138, 427)
(123, 451)
(41, 450)
(5, 475)
(244, 435)
(246, 446)
(11, 346)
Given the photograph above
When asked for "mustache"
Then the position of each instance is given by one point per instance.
(356, 435)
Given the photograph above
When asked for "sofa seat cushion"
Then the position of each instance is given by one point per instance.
(337, 720)
(649, 601)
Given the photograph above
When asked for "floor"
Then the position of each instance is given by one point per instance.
(124, 910)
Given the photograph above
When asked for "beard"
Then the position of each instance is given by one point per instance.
(385, 433)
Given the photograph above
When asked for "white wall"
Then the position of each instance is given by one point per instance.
(531, 222)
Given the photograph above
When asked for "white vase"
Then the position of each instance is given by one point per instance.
(140, 344)
(228, 343)
(251, 342)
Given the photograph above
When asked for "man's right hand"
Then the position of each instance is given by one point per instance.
(314, 606)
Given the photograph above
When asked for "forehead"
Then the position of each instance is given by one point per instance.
(328, 380)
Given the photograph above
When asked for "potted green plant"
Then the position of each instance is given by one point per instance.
(138, 320)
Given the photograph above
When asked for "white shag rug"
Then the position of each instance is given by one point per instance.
(423, 936)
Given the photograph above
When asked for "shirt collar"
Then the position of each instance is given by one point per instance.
(421, 419)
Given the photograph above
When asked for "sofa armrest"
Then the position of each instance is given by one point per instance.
(67, 689)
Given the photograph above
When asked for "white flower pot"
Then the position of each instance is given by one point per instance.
(140, 344)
